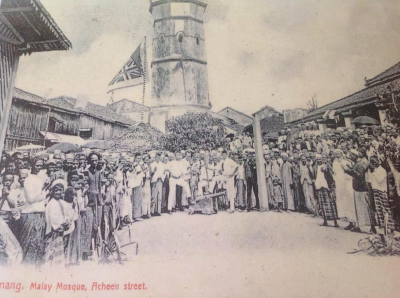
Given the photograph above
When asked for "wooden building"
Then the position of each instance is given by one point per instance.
(25, 27)
(34, 119)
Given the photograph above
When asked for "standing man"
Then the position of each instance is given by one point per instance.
(287, 183)
(157, 178)
(364, 210)
(228, 172)
(177, 175)
(322, 175)
(251, 181)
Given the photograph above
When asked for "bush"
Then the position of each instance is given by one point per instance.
(194, 131)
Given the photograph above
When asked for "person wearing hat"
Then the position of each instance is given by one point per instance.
(33, 221)
(306, 182)
(135, 180)
(58, 220)
(240, 200)
(323, 178)
(365, 216)
(269, 179)
(157, 173)
(287, 183)
(250, 167)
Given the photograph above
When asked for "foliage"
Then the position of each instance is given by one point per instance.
(379, 245)
(312, 104)
(139, 138)
(390, 102)
(194, 131)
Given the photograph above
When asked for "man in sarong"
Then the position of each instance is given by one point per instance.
(377, 177)
(321, 175)
(33, 216)
(365, 215)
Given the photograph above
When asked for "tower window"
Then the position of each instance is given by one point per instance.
(198, 40)
(162, 38)
(180, 37)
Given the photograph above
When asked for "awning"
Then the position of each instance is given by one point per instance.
(60, 138)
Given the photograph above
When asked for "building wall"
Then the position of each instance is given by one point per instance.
(294, 114)
(128, 109)
(24, 124)
(68, 126)
(238, 117)
(179, 65)
(101, 130)
(266, 113)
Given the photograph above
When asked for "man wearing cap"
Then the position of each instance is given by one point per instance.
(250, 167)
(157, 173)
(287, 183)
(363, 204)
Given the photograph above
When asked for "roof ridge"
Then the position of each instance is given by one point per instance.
(386, 70)
(235, 111)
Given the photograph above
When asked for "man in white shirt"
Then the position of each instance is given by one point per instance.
(177, 170)
(228, 172)
(157, 170)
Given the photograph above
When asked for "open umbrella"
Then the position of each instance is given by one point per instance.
(97, 144)
(365, 120)
(64, 148)
(271, 136)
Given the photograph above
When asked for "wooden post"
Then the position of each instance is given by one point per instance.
(262, 184)
(7, 104)
(47, 127)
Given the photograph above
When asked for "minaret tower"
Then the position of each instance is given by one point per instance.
(179, 64)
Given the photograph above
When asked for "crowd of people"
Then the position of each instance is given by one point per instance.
(56, 209)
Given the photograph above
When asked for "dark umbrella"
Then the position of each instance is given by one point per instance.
(97, 144)
(271, 136)
(64, 148)
(365, 120)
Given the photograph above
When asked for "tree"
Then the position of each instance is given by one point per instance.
(312, 104)
(194, 131)
(389, 101)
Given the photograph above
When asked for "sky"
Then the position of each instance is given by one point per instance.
(279, 53)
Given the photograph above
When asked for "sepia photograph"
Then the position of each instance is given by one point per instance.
(200, 148)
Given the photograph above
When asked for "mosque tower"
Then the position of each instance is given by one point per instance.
(179, 79)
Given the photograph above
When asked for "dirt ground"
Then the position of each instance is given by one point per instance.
(232, 255)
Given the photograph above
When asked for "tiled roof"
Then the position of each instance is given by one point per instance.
(91, 109)
(269, 125)
(388, 74)
(362, 97)
(229, 108)
(271, 109)
(20, 94)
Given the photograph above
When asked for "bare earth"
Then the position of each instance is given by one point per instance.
(233, 255)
